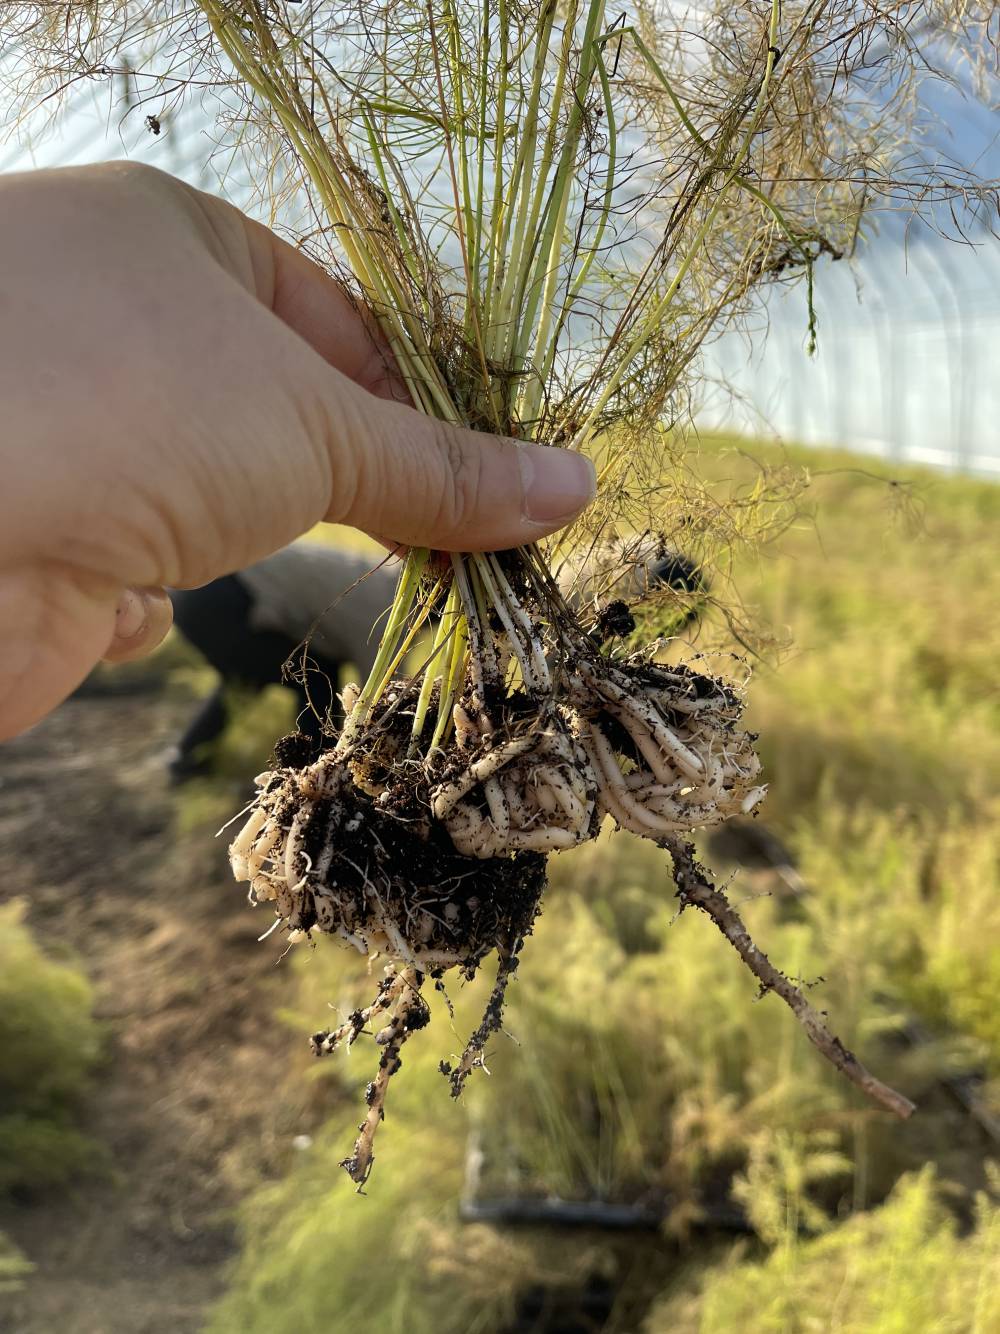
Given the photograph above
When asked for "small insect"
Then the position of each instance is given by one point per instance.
(153, 124)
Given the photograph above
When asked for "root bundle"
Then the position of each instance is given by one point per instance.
(420, 834)
(545, 210)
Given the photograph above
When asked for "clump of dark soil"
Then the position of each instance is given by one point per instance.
(381, 875)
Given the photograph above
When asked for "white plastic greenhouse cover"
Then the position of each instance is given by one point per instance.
(908, 330)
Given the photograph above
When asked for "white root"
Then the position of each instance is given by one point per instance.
(641, 821)
(530, 659)
(541, 667)
(445, 797)
(522, 813)
(292, 845)
(262, 889)
(649, 748)
(552, 839)
(543, 795)
(562, 794)
(537, 792)
(263, 847)
(535, 795)
(499, 810)
(239, 849)
(608, 803)
(467, 734)
(644, 712)
(753, 799)
(349, 697)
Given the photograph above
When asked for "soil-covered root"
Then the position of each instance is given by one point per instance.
(399, 994)
(695, 889)
(329, 857)
(665, 744)
(535, 791)
(659, 750)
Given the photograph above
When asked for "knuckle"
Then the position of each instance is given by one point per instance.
(460, 483)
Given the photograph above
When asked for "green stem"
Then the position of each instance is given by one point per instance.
(547, 267)
(495, 258)
(659, 309)
(591, 252)
(445, 629)
(406, 596)
(520, 298)
(524, 180)
(409, 638)
(451, 681)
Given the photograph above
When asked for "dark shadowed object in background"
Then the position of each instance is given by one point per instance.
(682, 574)
(298, 619)
(294, 619)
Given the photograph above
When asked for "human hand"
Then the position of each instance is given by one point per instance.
(183, 394)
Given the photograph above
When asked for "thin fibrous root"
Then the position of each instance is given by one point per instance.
(492, 1022)
(694, 888)
(410, 1012)
(358, 1020)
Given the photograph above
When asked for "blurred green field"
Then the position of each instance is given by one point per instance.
(50, 1044)
(641, 1068)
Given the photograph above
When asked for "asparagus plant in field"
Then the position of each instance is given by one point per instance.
(547, 208)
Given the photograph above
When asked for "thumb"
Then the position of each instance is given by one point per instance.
(398, 472)
(395, 472)
(419, 481)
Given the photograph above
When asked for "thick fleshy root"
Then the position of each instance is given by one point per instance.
(657, 749)
(531, 793)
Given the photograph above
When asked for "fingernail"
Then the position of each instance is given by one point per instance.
(130, 615)
(557, 483)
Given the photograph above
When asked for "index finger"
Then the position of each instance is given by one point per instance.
(319, 309)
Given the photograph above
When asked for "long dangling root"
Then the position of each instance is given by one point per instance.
(358, 1020)
(492, 1022)
(695, 889)
(410, 1013)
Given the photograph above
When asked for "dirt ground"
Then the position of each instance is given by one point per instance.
(190, 1101)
